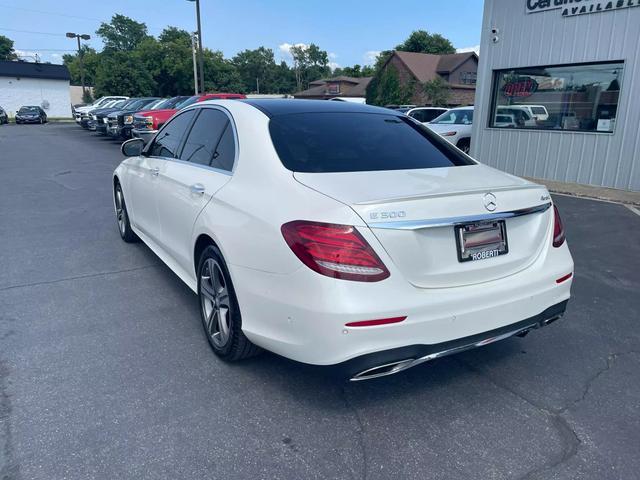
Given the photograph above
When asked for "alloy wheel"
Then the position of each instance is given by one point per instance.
(215, 303)
(121, 212)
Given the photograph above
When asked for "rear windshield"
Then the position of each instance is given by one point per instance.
(538, 110)
(356, 142)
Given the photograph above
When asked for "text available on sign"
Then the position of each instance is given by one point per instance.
(571, 8)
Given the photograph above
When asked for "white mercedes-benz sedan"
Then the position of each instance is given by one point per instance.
(341, 235)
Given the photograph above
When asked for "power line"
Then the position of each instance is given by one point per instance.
(36, 33)
(46, 49)
(154, 28)
(50, 13)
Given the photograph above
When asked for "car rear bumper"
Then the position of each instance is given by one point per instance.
(303, 315)
(389, 362)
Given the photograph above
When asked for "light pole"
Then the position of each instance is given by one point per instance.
(194, 47)
(78, 36)
(201, 53)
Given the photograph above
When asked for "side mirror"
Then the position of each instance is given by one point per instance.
(132, 147)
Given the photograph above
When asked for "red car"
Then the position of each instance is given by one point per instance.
(148, 122)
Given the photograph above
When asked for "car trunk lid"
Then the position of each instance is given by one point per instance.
(413, 213)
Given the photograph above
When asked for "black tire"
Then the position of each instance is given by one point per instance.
(215, 295)
(122, 217)
(464, 145)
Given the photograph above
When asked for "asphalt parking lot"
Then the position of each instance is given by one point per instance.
(105, 372)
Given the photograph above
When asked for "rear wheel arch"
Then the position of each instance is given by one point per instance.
(202, 242)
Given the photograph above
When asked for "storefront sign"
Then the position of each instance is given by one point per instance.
(571, 8)
(521, 88)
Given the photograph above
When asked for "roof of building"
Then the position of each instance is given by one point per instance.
(357, 87)
(34, 70)
(426, 66)
(283, 106)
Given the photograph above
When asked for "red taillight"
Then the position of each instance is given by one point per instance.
(558, 228)
(337, 251)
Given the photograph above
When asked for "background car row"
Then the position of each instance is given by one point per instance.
(122, 117)
(26, 114)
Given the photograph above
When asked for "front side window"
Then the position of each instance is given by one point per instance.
(356, 142)
(577, 97)
(168, 140)
(206, 135)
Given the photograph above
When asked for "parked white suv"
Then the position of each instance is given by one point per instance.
(455, 126)
(539, 112)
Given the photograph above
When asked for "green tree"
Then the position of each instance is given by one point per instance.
(355, 71)
(437, 91)
(169, 60)
(421, 41)
(122, 33)
(120, 73)
(87, 97)
(284, 79)
(386, 89)
(6, 49)
(256, 69)
(309, 63)
(90, 60)
(220, 74)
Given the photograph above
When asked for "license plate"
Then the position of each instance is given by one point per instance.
(479, 241)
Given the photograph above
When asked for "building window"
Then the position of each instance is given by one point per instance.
(333, 88)
(468, 78)
(578, 97)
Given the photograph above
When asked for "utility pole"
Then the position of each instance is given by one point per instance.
(201, 52)
(194, 47)
(78, 36)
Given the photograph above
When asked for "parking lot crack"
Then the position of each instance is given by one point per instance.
(77, 277)
(361, 431)
(568, 436)
(610, 360)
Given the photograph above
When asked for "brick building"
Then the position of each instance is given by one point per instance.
(457, 69)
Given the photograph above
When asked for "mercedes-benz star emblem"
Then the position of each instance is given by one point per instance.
(490, 202)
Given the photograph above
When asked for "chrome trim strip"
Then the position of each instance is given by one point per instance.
(402, 365)
(452, 221)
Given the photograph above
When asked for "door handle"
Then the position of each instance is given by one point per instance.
(197, 188)
(155, 171)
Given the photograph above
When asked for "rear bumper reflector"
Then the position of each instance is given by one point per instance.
(564, 278)
(373, 323)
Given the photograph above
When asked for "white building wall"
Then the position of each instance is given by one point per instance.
(15, 93)
(546, 38)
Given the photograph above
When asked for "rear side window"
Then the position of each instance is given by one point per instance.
(356, 142)
(168, 140)
(205, 138)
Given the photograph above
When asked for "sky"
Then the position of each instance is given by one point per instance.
(352, 31)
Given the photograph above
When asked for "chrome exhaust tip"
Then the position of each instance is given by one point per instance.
(383, 370)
